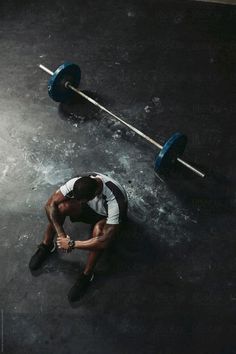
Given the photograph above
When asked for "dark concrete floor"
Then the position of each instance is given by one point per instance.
(169, 285)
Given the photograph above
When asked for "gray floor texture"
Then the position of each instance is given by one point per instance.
(168, 285)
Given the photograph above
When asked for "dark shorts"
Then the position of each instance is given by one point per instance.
(89, 216)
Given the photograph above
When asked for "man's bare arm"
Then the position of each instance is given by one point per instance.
(99, 242)
(53, 214)
(95, 243)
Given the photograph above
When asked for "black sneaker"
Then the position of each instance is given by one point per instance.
(40, 255)
(80, 287)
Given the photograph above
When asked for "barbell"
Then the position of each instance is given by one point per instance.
(63, 85)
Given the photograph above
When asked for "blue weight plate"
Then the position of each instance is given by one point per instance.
(173, 148)
(67, 72)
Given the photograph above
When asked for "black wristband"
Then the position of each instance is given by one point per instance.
(71, 244)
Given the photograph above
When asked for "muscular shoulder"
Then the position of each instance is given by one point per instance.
(56, 198)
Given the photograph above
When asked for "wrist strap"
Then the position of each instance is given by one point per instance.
(71, 244)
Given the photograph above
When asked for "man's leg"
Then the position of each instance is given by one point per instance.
(49, 235)
(68, 208)
(85, 278)
(94, 255)
(50, 232)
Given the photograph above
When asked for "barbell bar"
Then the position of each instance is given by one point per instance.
(61, 87)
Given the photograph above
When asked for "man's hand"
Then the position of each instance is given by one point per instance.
(63, 242)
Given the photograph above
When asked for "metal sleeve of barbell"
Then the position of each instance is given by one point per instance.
(150, 140)
(45, 69)
(199, 173)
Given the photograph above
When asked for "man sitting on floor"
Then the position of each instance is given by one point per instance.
(95, 199)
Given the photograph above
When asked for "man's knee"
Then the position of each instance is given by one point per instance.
(63, 208)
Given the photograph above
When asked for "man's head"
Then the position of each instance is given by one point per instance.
(85, 189)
